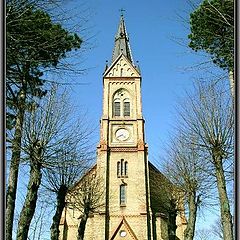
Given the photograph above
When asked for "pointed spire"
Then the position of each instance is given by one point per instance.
(122, 42)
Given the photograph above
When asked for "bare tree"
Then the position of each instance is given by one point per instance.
(208, 117)
(188, 173)
(72, 161)
(87, 196)
(46, 130)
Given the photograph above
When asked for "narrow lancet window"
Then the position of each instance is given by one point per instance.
(122, 167)
(126, 109)
(116, 109)
(118, 168)
(126, 169)
(122, 194)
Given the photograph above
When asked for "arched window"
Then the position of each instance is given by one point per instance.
(118, 168)
(126, 108)
(116, 108)
(122, 168)
(121, 103)
(122, 194)
(126, 168)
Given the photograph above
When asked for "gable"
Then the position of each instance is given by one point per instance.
(121, 67)
(123, 230)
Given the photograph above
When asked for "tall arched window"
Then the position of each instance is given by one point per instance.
(122, 194)
(126, 108)
(122, 167)
(116, 108)
(126, 168)
(118, 168)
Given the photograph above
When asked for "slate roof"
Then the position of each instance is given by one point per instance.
(122, 42)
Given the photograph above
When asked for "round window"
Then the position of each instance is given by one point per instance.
(123, 233)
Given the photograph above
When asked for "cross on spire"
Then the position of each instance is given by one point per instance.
(122, 10)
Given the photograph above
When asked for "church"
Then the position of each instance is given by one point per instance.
(137, 201)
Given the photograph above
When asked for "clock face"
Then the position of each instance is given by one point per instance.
(122, 134)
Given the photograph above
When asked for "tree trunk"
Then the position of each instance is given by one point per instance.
(82, 225)
(226, 216)
(192, 205)
(61, 194)
(29, 206)
(14, 166)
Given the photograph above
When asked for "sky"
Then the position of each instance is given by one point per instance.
(158, 33)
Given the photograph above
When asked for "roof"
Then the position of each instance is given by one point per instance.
(122, 42)
(88, 172)
(161, 190)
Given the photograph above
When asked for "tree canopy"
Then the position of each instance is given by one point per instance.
(212, 30)
(34, 43)
(33, 37)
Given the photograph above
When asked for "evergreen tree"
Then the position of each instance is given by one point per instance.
(212, 30)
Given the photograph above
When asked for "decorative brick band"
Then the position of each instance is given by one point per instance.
(122, 83)
(130, 215)
(123, 149)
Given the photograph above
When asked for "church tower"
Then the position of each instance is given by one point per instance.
(136, 200)
(122, 152)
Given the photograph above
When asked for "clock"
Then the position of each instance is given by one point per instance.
(122, 134)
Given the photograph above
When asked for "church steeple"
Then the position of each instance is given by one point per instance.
(122, 42)
(127, 184)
